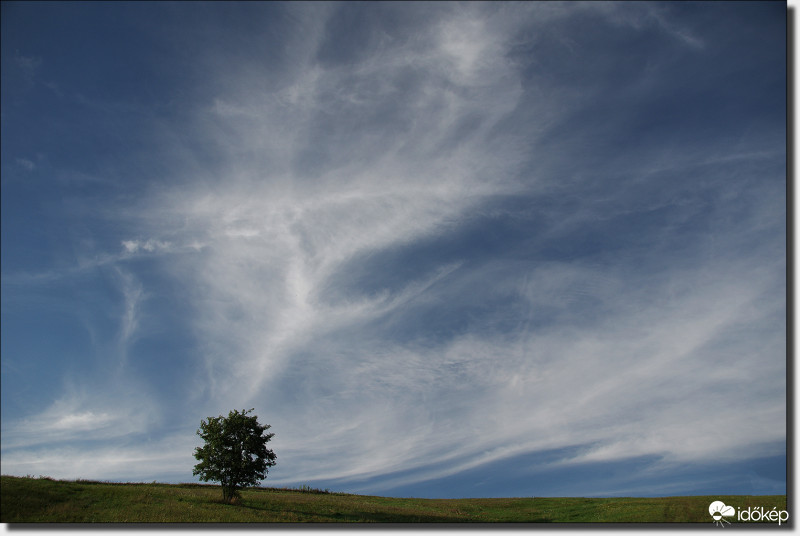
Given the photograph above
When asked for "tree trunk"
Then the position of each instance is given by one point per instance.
(229, 494)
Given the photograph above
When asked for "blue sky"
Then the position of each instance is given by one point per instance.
(444, 249)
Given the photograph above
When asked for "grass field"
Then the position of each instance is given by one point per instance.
(46, 500)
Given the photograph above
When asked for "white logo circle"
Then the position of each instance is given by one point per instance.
(717, 509)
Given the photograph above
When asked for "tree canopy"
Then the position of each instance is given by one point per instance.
(235, 452)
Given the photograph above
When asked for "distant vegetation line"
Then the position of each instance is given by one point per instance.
(25, 499)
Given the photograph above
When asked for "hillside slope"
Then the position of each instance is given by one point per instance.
(45, 500)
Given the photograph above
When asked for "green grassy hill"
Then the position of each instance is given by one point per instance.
(45, 500)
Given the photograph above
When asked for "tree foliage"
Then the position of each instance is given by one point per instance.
(235, 453)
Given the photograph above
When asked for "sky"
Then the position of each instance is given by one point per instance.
(443, 249)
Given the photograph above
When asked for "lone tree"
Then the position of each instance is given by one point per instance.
(235, 453)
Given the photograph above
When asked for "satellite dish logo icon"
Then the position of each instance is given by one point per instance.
(718, 509)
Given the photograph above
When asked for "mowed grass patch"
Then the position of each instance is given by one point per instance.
(45, 500)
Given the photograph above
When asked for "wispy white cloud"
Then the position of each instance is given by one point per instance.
(110, 461)
(627, 385)
(29, 65)
(112, 412)
(149, 245)
(26, 164)
(134, 295)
